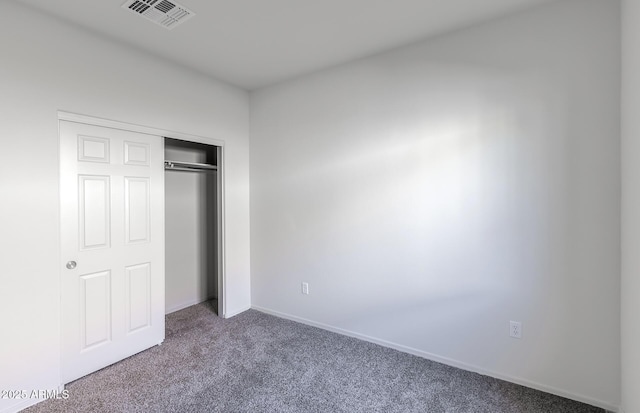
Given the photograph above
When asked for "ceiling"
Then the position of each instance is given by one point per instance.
(255, 43)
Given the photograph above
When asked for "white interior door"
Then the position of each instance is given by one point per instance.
(112, 235)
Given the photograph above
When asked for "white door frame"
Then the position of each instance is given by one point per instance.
(163, 133)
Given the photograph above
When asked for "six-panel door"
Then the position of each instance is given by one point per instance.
(112, 235)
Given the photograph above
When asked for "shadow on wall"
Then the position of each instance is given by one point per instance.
(451, 212)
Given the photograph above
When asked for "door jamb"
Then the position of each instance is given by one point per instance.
(164, 133)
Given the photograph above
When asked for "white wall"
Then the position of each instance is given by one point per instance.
(630, 206)
(431, 194)
(48, 66)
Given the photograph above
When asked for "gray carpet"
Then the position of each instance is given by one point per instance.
(259, 363)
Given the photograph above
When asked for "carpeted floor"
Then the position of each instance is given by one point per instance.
(255, 362)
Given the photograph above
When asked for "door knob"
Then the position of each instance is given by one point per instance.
(71, 265)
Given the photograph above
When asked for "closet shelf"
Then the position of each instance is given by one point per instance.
(189, 166)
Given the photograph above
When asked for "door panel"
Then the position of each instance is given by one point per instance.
(95, 309)
(112, 228)
(136, 209)
(94, 211)
(91, 149)
(136, 154)
(138, 294)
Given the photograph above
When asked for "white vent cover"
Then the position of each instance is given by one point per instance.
(166, 13)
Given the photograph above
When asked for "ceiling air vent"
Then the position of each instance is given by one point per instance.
(163, 12)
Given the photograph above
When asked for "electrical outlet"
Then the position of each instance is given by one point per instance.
(515, 329)
(305, 288)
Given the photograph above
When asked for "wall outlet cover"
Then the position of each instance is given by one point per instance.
(515, 329)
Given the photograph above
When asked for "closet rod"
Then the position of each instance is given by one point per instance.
(189, 166)
(177, 168)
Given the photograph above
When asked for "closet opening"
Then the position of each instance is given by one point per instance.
(192, 225)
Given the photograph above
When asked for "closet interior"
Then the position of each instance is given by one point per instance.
(191, 225)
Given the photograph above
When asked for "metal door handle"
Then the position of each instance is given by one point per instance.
(71, 265)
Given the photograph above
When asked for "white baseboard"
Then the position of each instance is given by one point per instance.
(445, 360)
(184, 305)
